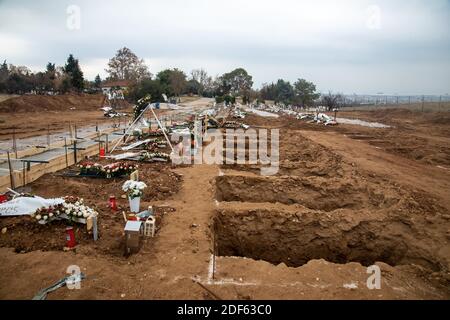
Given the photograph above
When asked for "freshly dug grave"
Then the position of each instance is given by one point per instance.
(25, 235)
(295, 235)
(312, 192)
(299, 156)
(322, 206)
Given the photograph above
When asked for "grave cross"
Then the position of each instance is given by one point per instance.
(75, 149)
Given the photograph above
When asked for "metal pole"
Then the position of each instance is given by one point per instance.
(71, 131)
(130, 127)
(11, 176)
(162, 128)
(95, 228)
(65, 149)
(14, 142)
(23, 174)
(75, 151)
(107, 143)
(214, 257)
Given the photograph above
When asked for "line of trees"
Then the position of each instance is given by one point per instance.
(126, 65)
(54, 80)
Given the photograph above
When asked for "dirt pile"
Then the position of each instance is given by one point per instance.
(39, 103)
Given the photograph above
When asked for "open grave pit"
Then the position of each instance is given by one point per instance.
(294, 235)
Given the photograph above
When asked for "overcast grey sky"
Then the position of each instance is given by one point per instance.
(351, 46)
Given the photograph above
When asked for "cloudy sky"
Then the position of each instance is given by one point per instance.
(350, 46)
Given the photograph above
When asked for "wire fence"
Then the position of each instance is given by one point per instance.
(422, 103)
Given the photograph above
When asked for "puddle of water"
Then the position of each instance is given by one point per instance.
(362, 123)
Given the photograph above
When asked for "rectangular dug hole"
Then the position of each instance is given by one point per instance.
(311, 192)
(294, 238)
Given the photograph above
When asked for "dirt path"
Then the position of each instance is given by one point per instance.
(182, 249)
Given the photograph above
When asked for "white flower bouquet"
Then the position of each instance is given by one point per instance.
(72, 207)
(134, 189)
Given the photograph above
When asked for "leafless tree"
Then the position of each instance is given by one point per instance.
(332, 101)
(125, 65)
(202, 78)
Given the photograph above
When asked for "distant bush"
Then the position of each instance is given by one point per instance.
(228, 99)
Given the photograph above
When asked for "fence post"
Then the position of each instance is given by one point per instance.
(75, 150)
(11, 175)
(65, 150)
(14, 142)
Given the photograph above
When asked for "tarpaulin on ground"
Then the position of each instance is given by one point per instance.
(26, 205)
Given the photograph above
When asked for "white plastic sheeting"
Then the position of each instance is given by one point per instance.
(263, 113)
(25, 205)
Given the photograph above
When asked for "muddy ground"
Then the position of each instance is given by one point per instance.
(95, 192)
(337, 205)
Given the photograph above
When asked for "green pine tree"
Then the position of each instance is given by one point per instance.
(73, 70)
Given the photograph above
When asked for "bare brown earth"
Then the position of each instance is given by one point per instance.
(338, 204)
(33, 115)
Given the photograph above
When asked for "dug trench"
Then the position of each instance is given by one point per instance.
(342, 216)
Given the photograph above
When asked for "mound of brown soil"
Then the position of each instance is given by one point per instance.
(38, 103)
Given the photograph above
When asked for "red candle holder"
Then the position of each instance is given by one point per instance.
(70, 238)
(113, 203)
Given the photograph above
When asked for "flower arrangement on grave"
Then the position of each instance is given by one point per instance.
(141, 105)
(114, 170)
(89, 168)
(72, 207)
(118, 169)
(154, 155)
(134, 189)
(47, 213)
(158, 144)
